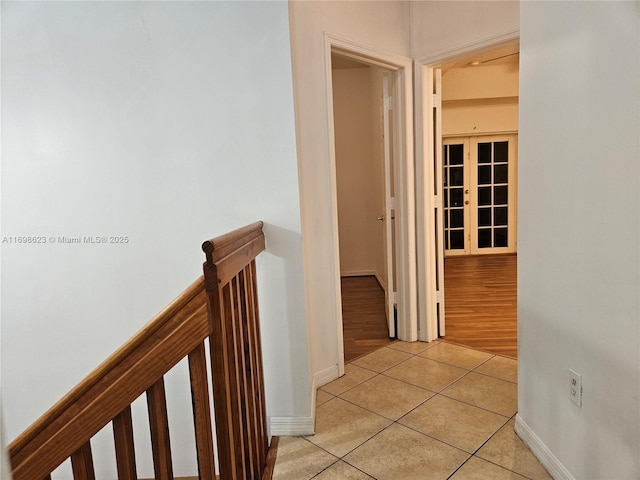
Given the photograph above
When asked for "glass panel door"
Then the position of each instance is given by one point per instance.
(493, 204)
(455, 179)
(479, 194)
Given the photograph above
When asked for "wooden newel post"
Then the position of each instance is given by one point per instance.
(236, 357)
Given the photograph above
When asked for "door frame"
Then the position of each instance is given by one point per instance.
(427, 196)
(402, 68)
(389, 93)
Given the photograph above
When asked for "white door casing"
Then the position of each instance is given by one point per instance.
(428, 228)
(389, 202)
(430, 206)
(401, 67)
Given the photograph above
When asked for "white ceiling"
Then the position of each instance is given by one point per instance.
(339, 62)
(509, 55)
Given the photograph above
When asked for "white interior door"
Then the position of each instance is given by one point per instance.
(433, 228)
(438, 166)
(389, 211)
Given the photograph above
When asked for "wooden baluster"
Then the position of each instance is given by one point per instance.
(201, 413)
(158, 421)
(236, 368)
(82, 463)
(251, 466)
(48, 477)
(250, 394)
(238, 383)
(219, 346)
(257, 345)
(125, 451)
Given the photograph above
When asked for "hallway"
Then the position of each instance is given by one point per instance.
(415, 411)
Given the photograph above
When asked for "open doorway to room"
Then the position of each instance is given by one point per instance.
(363, 137)
(399, 215)
(479, 188)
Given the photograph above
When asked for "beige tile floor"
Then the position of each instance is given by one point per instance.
(431, 411)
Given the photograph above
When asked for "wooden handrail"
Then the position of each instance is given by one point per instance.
(236, 360)
(178, 331)
(219, 247)
(230, 253)
(114, 385)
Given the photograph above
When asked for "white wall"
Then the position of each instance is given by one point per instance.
(480, 100)
(5, 468)
(443, 25)
(167, 122)
(484, 118)
(579, 233)
(383, 25)
(359, 169)
(480, 82)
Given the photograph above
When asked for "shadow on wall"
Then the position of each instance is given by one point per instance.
(284, 335)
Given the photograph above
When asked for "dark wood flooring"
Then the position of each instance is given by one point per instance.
(481, 304)
(363, 316)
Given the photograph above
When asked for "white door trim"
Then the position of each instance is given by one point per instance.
(426, 201)
(451, 54)
(390, 287)
(406, 268)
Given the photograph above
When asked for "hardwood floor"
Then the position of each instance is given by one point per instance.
(480, 302)
(363, 316)
(480, 307)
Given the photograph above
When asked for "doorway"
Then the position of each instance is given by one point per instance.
(468, 181)
(401, 208)
(479, 162)
(364, 179)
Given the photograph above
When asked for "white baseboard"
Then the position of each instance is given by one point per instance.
(358, 273)
(555, 468)
(291, 426)
(298, 426)
(366, 273)
(325, 376)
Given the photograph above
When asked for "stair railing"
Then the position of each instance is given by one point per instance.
(222, 306)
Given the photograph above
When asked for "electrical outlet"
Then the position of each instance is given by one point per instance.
(575, 387)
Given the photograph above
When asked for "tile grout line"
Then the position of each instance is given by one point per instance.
(472, 405)
(439, 392)
(471, 454)
(459, 467)
(488, 440)
(434, 394)
(336, 462)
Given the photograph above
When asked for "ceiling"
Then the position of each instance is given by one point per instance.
(509, 55)
(339, 62)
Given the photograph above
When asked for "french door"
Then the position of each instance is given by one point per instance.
(479, 190)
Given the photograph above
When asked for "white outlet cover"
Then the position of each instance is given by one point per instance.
(575, 387)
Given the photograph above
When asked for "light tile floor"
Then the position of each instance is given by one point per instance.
(408, 411)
